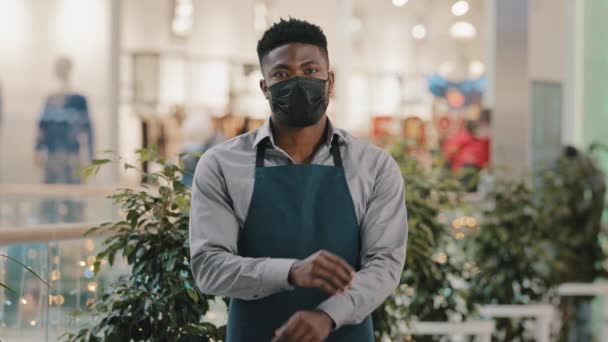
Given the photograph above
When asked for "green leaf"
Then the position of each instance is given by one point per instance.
(99, 162)
(129, 166)
(192, 294)
(97, 266)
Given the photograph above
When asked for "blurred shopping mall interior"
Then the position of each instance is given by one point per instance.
(487, 92)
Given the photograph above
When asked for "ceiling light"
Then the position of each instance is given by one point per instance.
(463, 30)
(399, 3)
(477, 68)
(460, 8)
(419, 32)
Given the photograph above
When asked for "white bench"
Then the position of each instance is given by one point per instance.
(543, 314)
(482, 330)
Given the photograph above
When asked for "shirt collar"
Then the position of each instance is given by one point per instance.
(265, 131)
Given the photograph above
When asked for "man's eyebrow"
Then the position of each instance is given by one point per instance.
(279, 66)
(309, 62)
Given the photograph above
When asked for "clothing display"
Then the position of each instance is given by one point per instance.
(64, 120)
(63, 128)
(241, 248)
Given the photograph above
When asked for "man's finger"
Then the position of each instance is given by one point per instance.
(299, 332)
(337, 282)
(286, 332)
(325, 286)
(279, 334)
(337, 268)
(338, 260)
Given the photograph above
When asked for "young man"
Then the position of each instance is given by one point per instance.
(301, 224)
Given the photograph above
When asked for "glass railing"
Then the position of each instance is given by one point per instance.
(43, 226)
(38, 313)
(32, 204)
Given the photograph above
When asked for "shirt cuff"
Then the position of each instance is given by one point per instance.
(339, 307)
(275, 275)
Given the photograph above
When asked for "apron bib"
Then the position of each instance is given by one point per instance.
(295, 211)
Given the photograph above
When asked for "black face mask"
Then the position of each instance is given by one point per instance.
(299, 101)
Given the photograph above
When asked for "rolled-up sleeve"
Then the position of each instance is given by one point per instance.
(214, 230)
(383, 246)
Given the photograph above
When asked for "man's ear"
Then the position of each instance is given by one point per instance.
(330, 83)
(264, 89)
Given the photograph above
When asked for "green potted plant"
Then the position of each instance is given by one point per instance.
(537, 235)
(158, 300)
(509, 253)
(427, 292)
(573, 195)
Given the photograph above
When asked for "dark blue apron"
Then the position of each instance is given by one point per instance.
(295, 211)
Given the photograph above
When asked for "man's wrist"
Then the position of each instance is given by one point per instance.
(330, 322)
(274, 276)
(290, 275)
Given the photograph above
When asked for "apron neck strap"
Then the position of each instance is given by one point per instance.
(334, 150)
(261, 153)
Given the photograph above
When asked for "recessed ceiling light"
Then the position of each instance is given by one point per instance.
(400, 3)
(419, 32)
(460, 8)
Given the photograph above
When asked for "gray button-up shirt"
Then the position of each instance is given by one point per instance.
(221, 194)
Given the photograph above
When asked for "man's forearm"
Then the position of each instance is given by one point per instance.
(370, 287)
(224, 274)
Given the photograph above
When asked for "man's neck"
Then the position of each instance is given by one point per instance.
(299, 143)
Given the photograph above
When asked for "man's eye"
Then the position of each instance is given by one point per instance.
(312, 71)
(279, 74)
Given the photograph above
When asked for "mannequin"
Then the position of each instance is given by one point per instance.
(65, 140)
(64, 128)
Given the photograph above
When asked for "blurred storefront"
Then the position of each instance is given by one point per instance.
(418, 70)
(384, 56)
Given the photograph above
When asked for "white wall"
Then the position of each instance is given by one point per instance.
(548, 39)
(552, 55)
(221, 28)
(33, 34)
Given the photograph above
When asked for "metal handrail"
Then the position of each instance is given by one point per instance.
(46, 232)
(55, 190)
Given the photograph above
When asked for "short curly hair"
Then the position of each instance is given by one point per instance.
(291, 31)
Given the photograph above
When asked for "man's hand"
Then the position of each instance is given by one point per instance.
(309, 326)
(322, 270)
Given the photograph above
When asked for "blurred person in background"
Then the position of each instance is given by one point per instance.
(303, 225)
(468, 151)
(199, 133)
